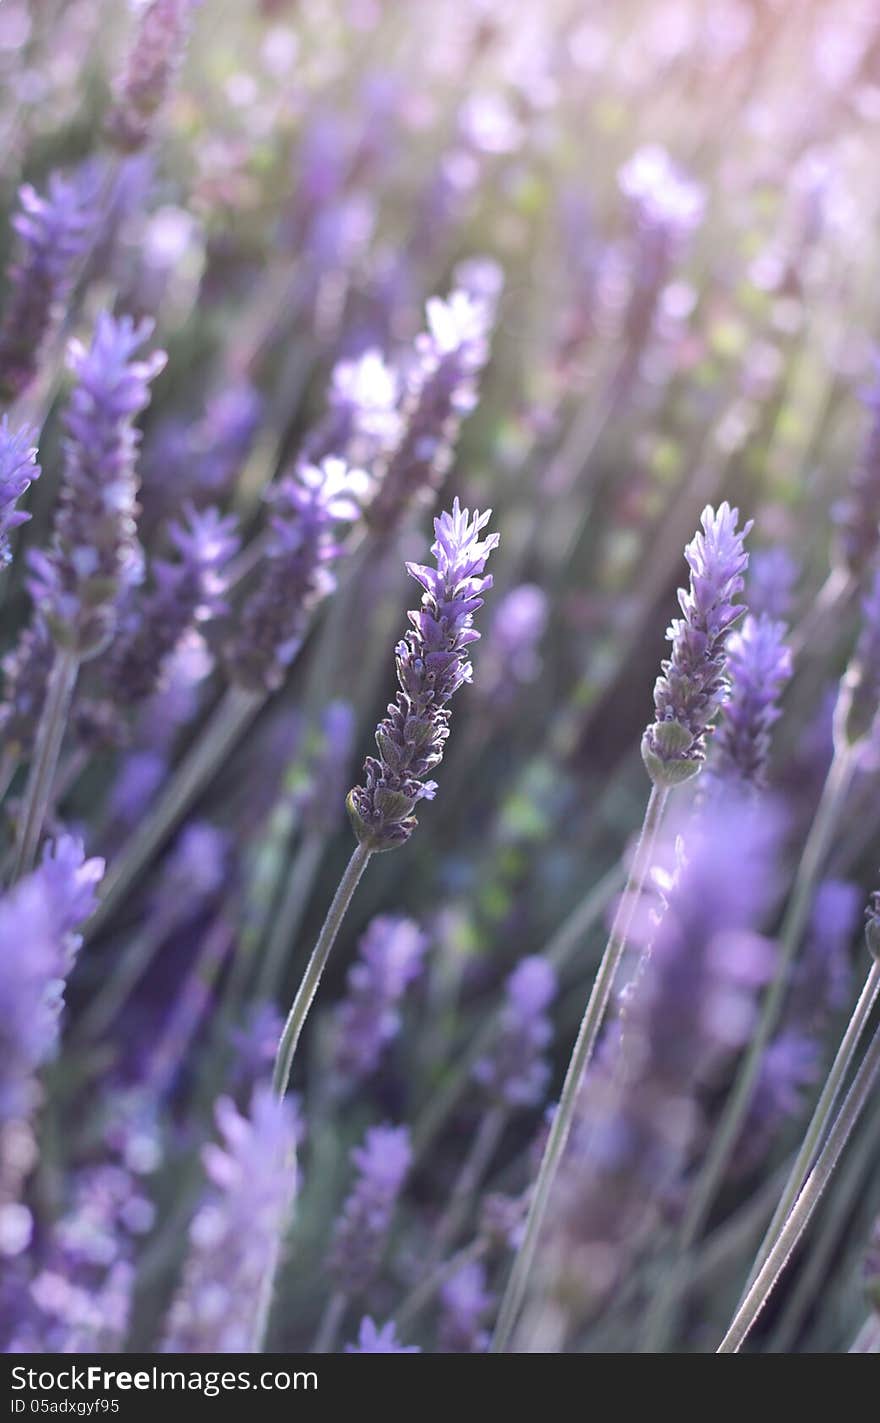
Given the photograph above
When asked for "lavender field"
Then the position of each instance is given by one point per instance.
(440, 701)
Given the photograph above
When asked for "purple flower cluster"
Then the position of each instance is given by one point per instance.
(362, 1229)
(155, 54)
(389, 959)
(40, 915)
(52, 234)
(759, 665)
(18, 470)
(307, 506)
(238, 1230)
(693, 1005)
(95, 557)
(515, 1071)
(693, 683)
(465, 1307)
(440, 390)
(432, 663)
(186, 593)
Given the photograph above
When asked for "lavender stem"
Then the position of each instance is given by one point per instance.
(41, 777)
(797, 1222)
(467, 1183)
(580, 1061)
(822, 1114)
(312, 977)
(285, 929)
(331, 1320)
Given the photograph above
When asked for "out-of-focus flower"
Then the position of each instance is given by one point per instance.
(510, 658)
(773, 574)
(362, 421)
(361, 1234)
(373, 1339)
(318, 796)
(693, 683)
(238, 1231)
(759, 665)
(432, 663)
(39, 918)
(465, 1306)
(52, 234)
(690, 1007)
(155, 54)
(185, 593)
(440, 391)
(18, 469)
(296, 573)
(95, 556)
(26, 669)
(389, 959)
(515, 1072)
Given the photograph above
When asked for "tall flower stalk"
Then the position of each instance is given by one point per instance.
(688, 693)
(94, 558)
(432, 663)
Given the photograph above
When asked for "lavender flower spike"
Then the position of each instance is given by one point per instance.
(297, 571)
(51, 234)
(693, 683)
(759, 664)
(442, 389)
(154, 57)
(432, 663)
(515, 1071)
(95, 556)
(362, 1231)
(390, 958)
(18, 469)
(237, 1233)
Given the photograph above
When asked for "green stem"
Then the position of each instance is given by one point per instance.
(733, 1116)
(580, 1061)
(331, 1322)
(822, 1114)
(289, 918)
(47, 748)
(236, 711)
(312, 977)
(806, 1203)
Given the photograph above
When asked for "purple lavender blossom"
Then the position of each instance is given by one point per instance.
(154, 57)
(511, 657)
(41, 914)
(681, 1018)
(857, 515)
(759, 664)
(95, 557)
(441, 389)
(693, 683)
(362, 423)
(195, 872)
(857, 713)
(432, 663)
(52, 233)
(515, 1072)
(296, 573)
(375, 1340)
(26, 669)
(390, 957)
(465, 1307)
(254, 1044)
(18, 469)
(238, 1230)
(361, 1234)
(185, 593)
